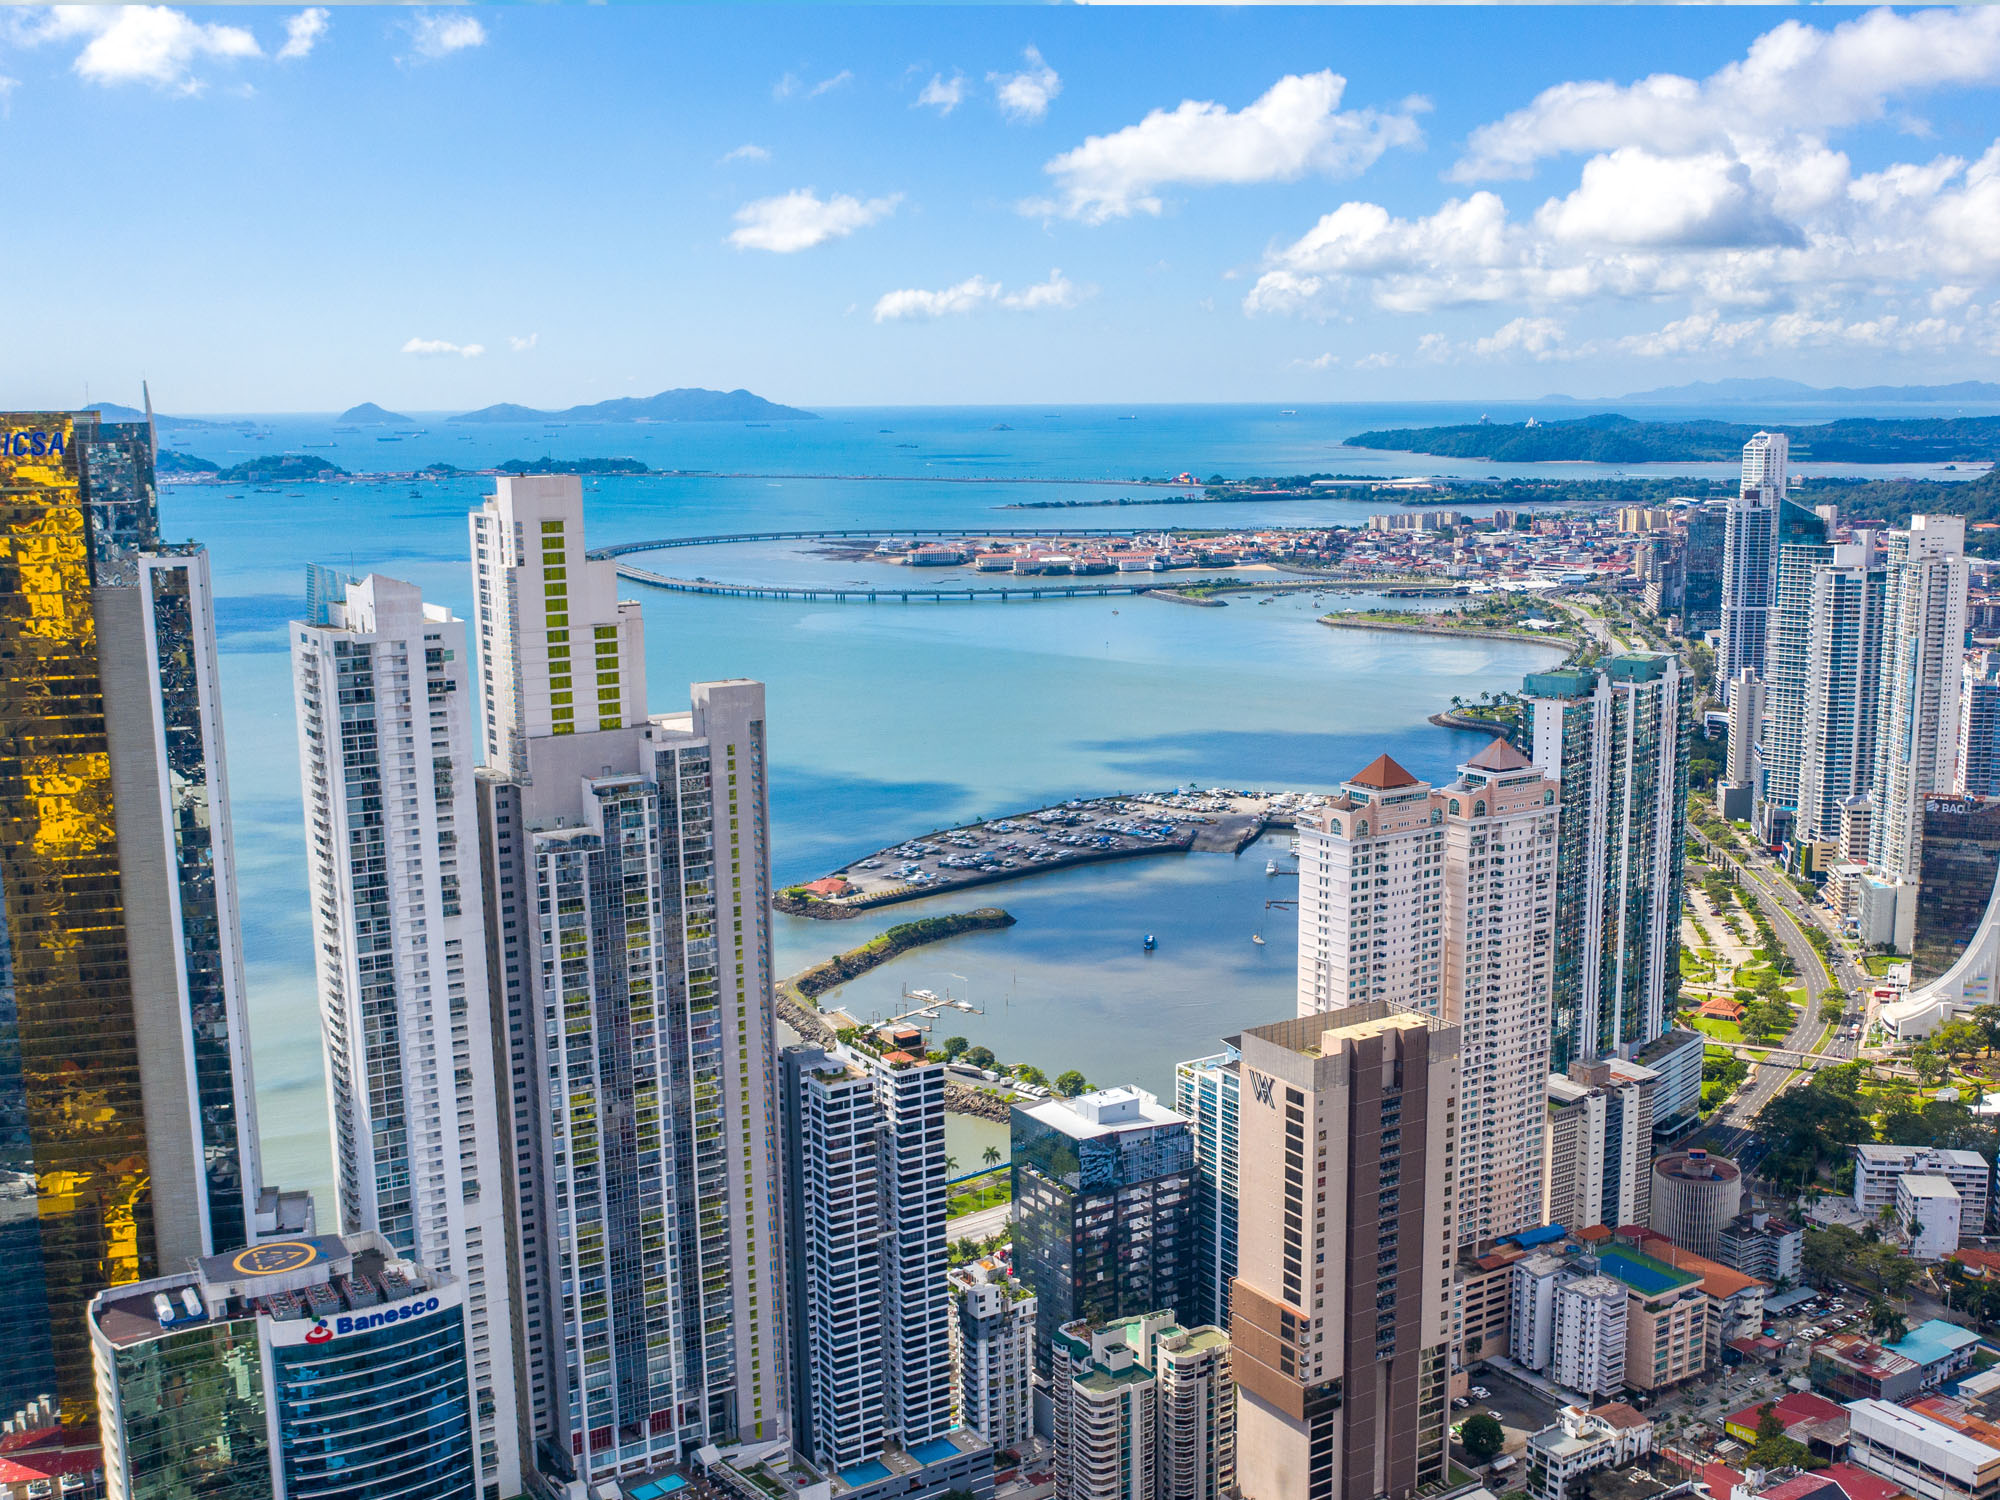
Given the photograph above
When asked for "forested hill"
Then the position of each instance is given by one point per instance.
(1613, 439)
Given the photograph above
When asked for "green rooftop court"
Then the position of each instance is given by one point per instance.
(1642, 1273)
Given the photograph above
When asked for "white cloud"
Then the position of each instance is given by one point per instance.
(943, 94)
(1632, 197)
(1536, 338)
(744, 152)
(1057, 291)
(913, 302)
(1296, 128)
(1024, 96)
(522, 343)
(432, 348)
(976, 292)
(153, 44)
(302, 33)
(1795, 79)
(827, 85)
(800, 219)
(1317, 362)
(434, 36)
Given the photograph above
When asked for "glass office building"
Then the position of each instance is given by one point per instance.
(1961, 860)
(75, 1207)
(1207, 1091)
(321, 1368)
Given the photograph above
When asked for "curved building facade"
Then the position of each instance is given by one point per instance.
(320, 1368)
(1695, 1195)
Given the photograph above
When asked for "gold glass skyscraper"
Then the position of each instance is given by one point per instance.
(75, 1184)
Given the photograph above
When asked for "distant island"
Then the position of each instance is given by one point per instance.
(687, 405)
(1609, 438)
(368, 414)
(547, 465)
(1748, 391)
(269, 468)
(170, 462)
(111, 411)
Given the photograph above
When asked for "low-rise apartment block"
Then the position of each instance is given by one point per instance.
(1877, 1169)
(992, 1351)
(1666, 1318)
(1582, 1439)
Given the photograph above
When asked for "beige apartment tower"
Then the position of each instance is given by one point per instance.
(1341, 1300)
(1443, 899)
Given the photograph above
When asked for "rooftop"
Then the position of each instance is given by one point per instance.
(1642, 1273)
(1934, 1340)
(1383, 773)
(1500, 755)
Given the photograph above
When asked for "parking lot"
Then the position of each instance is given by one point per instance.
(1522, 1412)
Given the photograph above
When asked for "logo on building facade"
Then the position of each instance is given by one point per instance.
(1260, 1088)
(274, 1259)
(319, 1333)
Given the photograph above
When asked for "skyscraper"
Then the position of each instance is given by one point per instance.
(1443, 900)
(124, 1070)
(1916, 746)
(1617, 736)
(1339, 1320)
(992, 1351)
(385, 737)
(1600, 1156)
(1977, 771)
(1701, 569)
(869, 1304)
(1749, 548)
(1802, 550)
(1103, 1209)
(1844, 654)
(628, 938)
(1144, 1409)
(1207, 1094)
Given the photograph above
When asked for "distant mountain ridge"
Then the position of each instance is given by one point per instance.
(1610, 438)
(1743, 390)
(111, 411)
(687, 404)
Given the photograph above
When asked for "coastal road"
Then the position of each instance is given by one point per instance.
(982, 1225)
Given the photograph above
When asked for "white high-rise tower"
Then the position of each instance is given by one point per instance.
(1749, 546)
(1916, 751)
(629, 937)
(385, 738)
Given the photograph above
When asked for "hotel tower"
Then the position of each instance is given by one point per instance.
(627, 861)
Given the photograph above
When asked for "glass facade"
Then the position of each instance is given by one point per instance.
(1961, 860)
(385, 1414)
(195, 1423)
(1207, 1092)
(177, 585)
(1104, 1225)
(75, 1211)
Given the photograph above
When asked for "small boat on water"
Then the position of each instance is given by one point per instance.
(1257, 938)
(1149, 944)
(1270, 867)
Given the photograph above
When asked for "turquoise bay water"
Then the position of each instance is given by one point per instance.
(886, 720)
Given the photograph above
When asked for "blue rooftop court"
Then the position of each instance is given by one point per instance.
(655, 1489)
(936, 1451)
(1642, 1273)
(1930, 1342)
(871, 1472)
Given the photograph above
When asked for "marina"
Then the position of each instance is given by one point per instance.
(1077, 832)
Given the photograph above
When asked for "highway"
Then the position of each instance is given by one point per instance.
(1732, 1131)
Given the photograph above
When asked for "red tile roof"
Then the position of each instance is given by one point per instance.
(1796, 1406)
(1383, 773)
(1859, 1484)
(1619, 1414)
(1500, 756)
(1720, 1479)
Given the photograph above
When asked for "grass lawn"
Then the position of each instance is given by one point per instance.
(1878, 964)
(989, 1194)
(1722, 1031)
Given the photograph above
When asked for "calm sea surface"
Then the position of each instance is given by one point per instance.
(886, 720)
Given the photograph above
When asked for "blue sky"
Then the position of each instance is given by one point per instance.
(268, 208)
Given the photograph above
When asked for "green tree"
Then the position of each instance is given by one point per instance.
(1029, 1073)
(1829, 1252)
(953, 1045)
(991, 1156)
(978, 1057)
(1482, 1436)
(1884, 1321)
(950, 1166)
(1069, 1083)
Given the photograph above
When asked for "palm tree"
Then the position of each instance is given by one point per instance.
(951, 1166)
(991, 1156)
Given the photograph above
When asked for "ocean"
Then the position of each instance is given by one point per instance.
(886, 720)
